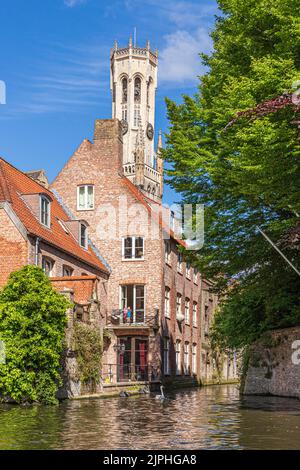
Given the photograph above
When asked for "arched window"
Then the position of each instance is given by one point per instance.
(124, 90)
(148, 90)
(137, 90)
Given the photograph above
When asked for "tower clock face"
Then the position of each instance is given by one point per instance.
(150, 131)
(124, 126)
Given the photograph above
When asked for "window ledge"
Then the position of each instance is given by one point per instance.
(84, 210)
(133, 259)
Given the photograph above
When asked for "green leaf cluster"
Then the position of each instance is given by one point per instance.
(32, 327)
(249, 175)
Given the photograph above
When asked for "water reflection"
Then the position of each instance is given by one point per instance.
(207, 418)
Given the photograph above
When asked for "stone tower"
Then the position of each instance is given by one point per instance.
(133, 82)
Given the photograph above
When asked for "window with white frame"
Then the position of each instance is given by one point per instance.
(133, 248)
(45, 211)
(194, 359)
(178, 357)
(172, 220)
(195, 313)
(83, 238)
(179, 261)
(133, 296)
(186, 358)
(188, 270)
(178, 304)
(85, 197)
(187, 311)
(167, 251)
(47, 266)
(166, 356)
(196, 272)
(167, 302)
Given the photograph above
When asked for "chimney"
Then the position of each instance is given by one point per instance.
(108, 143)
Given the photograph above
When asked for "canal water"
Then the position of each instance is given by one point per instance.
(207, 418)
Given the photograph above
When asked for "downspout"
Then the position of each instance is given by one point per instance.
(36, 254)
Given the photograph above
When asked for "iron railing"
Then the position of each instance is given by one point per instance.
(114, 373)
(117, 319)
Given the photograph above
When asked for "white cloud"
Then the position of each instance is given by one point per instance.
(179, 59)
(73, 3)
(72, 78)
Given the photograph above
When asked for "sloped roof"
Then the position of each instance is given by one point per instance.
(14, 184)
(144, 200)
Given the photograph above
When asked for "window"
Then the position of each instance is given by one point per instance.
(85, 197)
(167, 302)
(178, 304)
(67, 271)
(187, 311)
(83, 236)
(137, 90)
(136, 116)
(167, 251)
(178, 357)
(188, 270)
(206, 320)
(166, 356)
(133, 296)
(194, 359)
(196, 272)
(45, 211)
(124, 90)
(195, 308)
(133, 248)
(172, 220)
(186, 358)
(47, 266)
(179, 262)
(124, 112)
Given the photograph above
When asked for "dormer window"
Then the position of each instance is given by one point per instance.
(45, 211)
(85, 197)
(83, 239)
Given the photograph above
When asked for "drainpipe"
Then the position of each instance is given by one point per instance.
(36, 255)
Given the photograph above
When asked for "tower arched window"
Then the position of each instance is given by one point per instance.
(137, 90)
(124, 90)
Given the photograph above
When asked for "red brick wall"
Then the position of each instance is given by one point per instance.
(178, 282)
(13, 248)
(100, 164)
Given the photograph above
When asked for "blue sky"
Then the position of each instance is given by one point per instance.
(54, 60)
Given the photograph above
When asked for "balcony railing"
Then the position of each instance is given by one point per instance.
(138, 319)
(114, 373)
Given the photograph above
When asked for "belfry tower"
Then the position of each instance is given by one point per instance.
(133, 82)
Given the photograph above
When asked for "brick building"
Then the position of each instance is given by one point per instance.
(36, 229)
(115, 183)
(108, 199)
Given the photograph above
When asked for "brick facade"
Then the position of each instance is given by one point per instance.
(100, 164)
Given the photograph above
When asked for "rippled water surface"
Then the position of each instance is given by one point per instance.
(206, 418)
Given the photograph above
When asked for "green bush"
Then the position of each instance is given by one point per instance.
(32, 326)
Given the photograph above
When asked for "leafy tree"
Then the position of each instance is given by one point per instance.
(32, 326)
(246, 173)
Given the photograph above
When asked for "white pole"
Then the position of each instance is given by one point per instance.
(278, 250)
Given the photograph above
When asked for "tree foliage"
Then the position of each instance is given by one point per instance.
(32, 326)
(246, 174)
